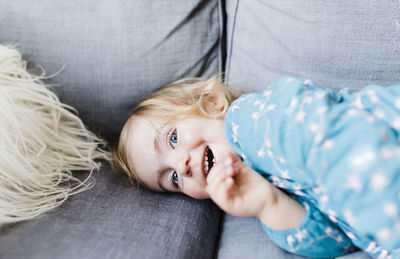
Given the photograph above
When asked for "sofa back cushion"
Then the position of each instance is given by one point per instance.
(336, 43)
(111, 53)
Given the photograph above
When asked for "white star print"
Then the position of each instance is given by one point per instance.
(358, 103)
(384, 255)
(372, 96)
(260, 153)
(396, 123)
(351, 235)
(348, 215)
(297, 190)
(234, 107)
(267, 143)
(332, 215)
(322, 110)
(318, 190)
(235, 139)
(314, 127)
(370, 119)
(390, 209)
(378, 181)
(364, 159)
(320, 95)
(300, 116)
(256, 115)
(397, 226)
(271, 107)
(285, 174)
(318, 138)
(354, 182)
(397, 103)
(267, 93)
(380, 114)
(308, 100)
(328, 144)
(328, 231)
(290, 240)
(235, 128)
(301, 234)
(352, 112)
(324, 198)
(371, 247)
(383, 234)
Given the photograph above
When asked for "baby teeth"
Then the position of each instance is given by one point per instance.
(206, 164)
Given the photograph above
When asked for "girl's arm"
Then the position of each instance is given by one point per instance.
(241, 191)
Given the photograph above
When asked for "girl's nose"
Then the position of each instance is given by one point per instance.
(184, 166)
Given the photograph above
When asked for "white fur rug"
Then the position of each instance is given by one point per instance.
(41, 142)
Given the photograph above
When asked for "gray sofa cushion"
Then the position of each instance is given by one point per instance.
(337, 44)
(113, 221)
(111, 54)
(114, 52)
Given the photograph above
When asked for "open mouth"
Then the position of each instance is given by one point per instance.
(209, 160)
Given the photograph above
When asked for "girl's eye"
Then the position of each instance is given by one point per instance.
(173, 138)
(175, 180)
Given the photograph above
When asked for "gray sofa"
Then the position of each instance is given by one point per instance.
(106, 55)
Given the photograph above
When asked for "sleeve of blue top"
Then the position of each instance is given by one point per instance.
(316, 236)
(246, 130)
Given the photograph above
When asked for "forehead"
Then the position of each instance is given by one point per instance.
(142, 156)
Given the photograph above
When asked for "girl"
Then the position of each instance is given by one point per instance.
(318, 168)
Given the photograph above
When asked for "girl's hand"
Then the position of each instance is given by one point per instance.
(237, 189)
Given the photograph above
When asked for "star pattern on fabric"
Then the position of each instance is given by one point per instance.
(378, 181)
(354, 182)
(311, 110)
(390, 209)
(349, 216)
(397, 103)
(235, 128)
(234, 107)
(300, 116)
(358, 103)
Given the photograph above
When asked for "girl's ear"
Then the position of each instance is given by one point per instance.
(214, 102)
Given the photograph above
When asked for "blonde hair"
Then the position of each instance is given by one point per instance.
(207, 98)
(41, 142)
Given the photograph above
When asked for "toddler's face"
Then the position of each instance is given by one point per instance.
(176, 157)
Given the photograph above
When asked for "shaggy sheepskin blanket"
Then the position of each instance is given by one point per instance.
(41, 142)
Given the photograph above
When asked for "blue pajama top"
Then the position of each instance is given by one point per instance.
(337, 153)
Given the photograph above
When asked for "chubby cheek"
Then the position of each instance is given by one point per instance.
(196, 191)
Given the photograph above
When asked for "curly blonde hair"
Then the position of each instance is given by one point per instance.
(191, 97)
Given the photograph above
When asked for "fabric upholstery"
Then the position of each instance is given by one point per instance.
(111, 53)
(105, 56)
(113, 221)
(337, 44)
